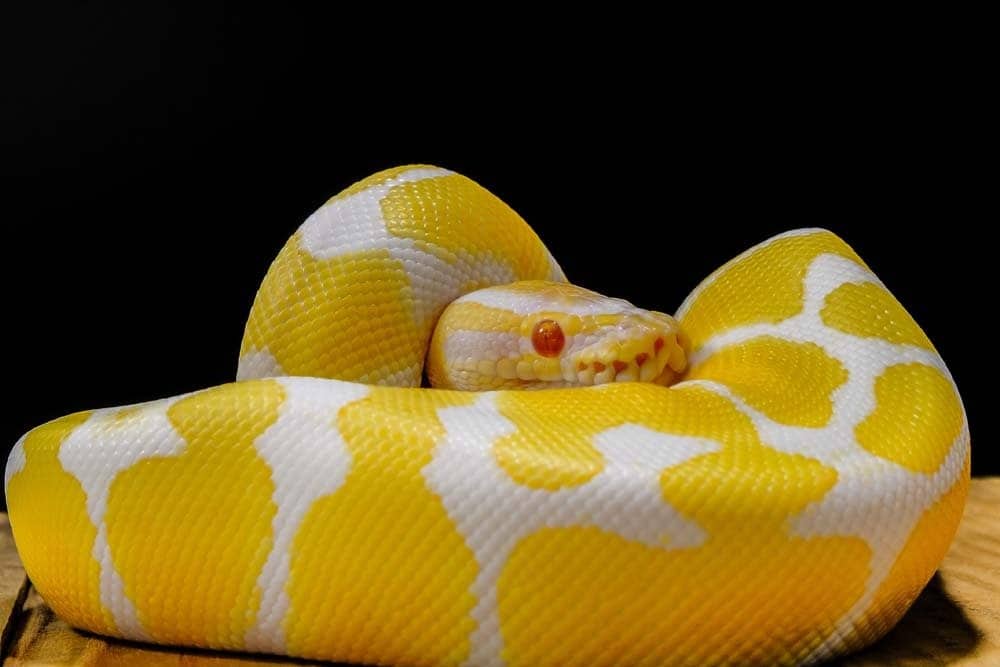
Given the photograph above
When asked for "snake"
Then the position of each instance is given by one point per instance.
(770, 476)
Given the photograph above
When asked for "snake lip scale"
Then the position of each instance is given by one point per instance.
(778, 491)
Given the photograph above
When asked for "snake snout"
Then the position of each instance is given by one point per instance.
(638, 348)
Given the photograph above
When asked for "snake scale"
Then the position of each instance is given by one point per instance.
(783, 500)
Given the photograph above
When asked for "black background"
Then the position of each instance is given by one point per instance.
(156, 161)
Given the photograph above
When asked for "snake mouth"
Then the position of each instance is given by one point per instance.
(659, 360)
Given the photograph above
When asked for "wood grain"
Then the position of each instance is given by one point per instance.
(955, 621)
(13, 583)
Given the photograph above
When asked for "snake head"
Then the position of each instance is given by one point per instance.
(536, 335)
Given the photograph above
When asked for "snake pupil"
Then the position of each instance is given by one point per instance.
(548, 338)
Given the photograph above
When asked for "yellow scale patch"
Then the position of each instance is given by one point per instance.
(581, 595)
(551, 448)
(792, 383)
(55, 537)
(766, 286)
(379, 573)
(917, 417)
(472, 316)
(870, 311)
(165, 514)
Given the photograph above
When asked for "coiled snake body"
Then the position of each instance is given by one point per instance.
(783, 501)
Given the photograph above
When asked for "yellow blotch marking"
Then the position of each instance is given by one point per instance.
(765, 286)
(792, 383)
(584, 596)
(580, 596)
(453, 216)
(870, 311)
(924, 550)
(916, 419)
(472, 316)
(349, 317)
(53, 532)
(552, 447)
(189, 533)
(379, 573)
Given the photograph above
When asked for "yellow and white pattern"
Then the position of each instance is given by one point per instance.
(783, 502)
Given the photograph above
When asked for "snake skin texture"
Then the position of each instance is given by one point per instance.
(783, 502)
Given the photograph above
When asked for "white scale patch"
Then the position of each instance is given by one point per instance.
(354, 223)
(874, 499)
(487, 345)
(556, 274)
(494, 513)
(15, 462)
(308, 460)
(95, 452)
(258, 364)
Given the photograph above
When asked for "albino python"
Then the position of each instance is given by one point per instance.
(779, 491)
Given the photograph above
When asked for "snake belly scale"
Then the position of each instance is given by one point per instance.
(784, 501)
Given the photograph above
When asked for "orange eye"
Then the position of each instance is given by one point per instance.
(548, 338)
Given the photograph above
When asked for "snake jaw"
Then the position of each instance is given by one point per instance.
(638, 347)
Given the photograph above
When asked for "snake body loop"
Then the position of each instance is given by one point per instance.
(783, 501)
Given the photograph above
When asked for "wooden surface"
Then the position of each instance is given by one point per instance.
(13, 584)
(956, 620)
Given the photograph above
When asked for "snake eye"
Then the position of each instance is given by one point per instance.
(548, 338)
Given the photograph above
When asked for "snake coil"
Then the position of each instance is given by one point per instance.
(784, 501)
